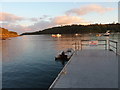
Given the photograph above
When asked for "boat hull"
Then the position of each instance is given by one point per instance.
(62, 58)
(66, 56)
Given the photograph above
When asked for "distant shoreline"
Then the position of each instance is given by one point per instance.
(70, 34)
(80, 29)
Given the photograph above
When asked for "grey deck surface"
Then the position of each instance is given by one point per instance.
(90, 69)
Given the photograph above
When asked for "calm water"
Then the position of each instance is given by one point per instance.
(28, 61)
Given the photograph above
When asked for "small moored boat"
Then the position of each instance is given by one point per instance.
(65, 55)
(56, 35)
(107, 33)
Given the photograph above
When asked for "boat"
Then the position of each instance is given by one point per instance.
(56, 35)
(98, 35)
(107, 33)
(65, 55)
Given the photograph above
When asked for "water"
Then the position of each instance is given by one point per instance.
(28, 61)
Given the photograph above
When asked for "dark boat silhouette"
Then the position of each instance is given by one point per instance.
(65, 55)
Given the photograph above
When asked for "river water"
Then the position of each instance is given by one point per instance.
(28, 61)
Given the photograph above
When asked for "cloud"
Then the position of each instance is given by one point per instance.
(8, 17)
(59, 20)
(89, 9)
(63, 20)
(12, 18)
(34, 19)
(41, 25)
(14, 23)
(31, 28)
(17, 28)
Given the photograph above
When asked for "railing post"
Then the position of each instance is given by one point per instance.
(116, 48)
(75, 45)
(81, 44)
(108, 44)
(105, 44)
(78, 45)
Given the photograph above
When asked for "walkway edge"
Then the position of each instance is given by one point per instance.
(61, 72)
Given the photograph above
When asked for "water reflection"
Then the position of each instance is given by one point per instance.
(63, 62)
(28, 62)
(14, 48)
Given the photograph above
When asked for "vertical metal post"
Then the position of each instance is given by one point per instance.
(108, 44)
(81, 44)
(75, 45)
(105, 44)
(116, 48)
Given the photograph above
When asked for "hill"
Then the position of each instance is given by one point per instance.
(4, 33)
(82, 29)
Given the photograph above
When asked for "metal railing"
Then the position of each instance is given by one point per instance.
(114, 45)
(103, 44)
(108, 44)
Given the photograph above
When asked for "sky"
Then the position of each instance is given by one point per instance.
(34, 16)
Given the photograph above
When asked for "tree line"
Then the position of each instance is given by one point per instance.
(82, 29)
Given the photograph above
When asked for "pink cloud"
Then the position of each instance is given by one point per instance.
(16, 28)
(40, 25)
(12, 22)
(88, 9)
(31, 28)
(8, 17)
(11, 18)
(59, 20)
(63, 20)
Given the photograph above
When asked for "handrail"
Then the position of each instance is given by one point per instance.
(105, 43)
(113, 46)
(113, 41)
(90, 40)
